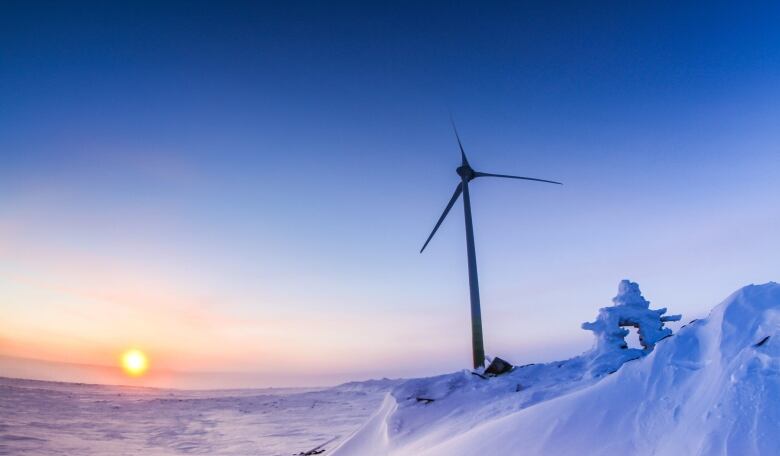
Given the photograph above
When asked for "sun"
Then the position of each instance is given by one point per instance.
(134, 362)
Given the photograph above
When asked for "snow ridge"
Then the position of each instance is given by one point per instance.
(712, 389)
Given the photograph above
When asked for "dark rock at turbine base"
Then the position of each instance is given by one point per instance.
(498, 366)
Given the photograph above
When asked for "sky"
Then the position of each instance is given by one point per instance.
(241, 189)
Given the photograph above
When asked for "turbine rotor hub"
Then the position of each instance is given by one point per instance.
(465, 172)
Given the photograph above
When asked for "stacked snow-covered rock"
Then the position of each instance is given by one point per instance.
(630, 309)
(711, 389)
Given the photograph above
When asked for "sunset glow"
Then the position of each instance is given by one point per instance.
(134, 362)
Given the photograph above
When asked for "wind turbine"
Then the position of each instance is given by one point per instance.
(467, 174)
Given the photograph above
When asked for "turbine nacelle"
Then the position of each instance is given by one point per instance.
(465, 172)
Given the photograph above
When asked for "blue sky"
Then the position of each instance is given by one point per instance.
(274, 170)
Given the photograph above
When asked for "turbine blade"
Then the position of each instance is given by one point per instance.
(478, 174)
(464, 160)
(454, 198)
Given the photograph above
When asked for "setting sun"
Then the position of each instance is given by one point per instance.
(134, 362)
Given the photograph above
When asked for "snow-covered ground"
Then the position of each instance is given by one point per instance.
(50, 418)
(711, 389)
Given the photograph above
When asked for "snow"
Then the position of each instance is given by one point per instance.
(629, 308)
(712, 389)
(52, 418)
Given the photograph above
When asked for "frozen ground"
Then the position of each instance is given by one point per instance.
(48, 418)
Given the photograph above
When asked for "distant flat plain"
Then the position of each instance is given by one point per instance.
(52, 418)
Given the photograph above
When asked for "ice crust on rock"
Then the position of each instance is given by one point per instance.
(629, 308)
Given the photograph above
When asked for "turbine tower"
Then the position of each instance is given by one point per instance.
(467, 174)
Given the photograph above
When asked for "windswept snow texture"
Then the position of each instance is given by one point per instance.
(711, 389)
(49, 418)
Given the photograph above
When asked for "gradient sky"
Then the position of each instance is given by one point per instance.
(242, 188)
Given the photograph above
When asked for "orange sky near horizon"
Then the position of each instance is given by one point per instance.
(90, 315)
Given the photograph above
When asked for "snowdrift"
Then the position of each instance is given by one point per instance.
(711, 389)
